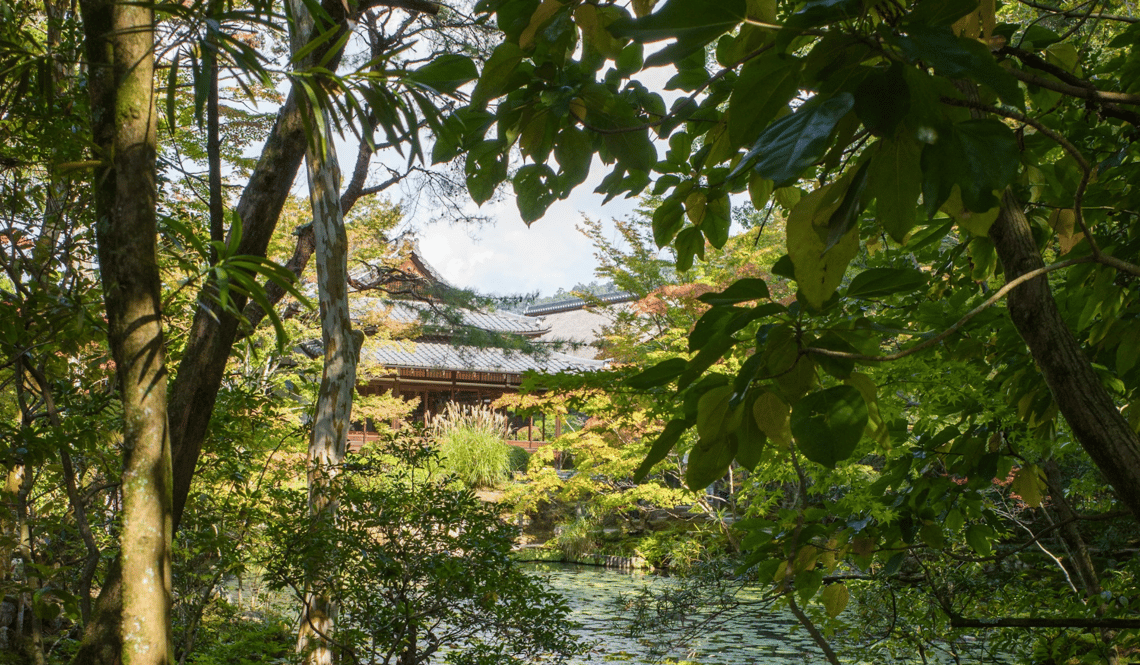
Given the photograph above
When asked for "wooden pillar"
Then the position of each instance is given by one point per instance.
(557, 425)
(529, 428)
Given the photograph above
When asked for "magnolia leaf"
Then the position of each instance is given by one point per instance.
(818, 270)
(534, 191)
(979, 156)
(828, 424)
(445, 73)
(693, 23)
(834, 598)
(793, 143)
(661, 447)
(659, 375)
(765, 86)
(742, 290)
(750, 440)
(708, 461)
(880, 282)
(1064, 222)
(895, 181)
(772, 417)
(978, 537)
(1029, 484)
(715, 417)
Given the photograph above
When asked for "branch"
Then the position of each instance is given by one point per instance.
(1072, 14)
(1068, 622)
(1094, 94)
(989, 302)
(421, 6)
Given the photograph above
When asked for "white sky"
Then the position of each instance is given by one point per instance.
(509, 258)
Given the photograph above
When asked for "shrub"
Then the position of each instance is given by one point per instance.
(519, 459)
(421, 569)
(471, 444)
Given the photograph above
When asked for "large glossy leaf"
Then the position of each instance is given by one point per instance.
(958, 57)
(882, 100)
(815, 13)
(771, 415)
(659, 375)
(980, 156)
(818, 270)
(486, 167)
(693, 23)
(880, 282)
(534, 191)
(939, 12)
(708, 461)
(828, 424)
(445, 73)
(765, 86)
(715, 416)
(793, 143)
(661, 447)
(500, 73)
(895, 181)
(742, 290)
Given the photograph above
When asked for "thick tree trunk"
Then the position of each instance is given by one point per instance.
(338, 381)
(120, 48)
(1094, 418)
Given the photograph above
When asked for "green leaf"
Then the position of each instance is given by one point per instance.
(486, 167)
(667, 221)
(846, 216)
(978, 536)
(828, 424)
(660, 448)
(742, 290)
(533, 191)
(689, 244)
(939, 12)
(693, 23)
(957, 57)
(659, 375)
(793, 143)
(772, 417)
(708, 461)
(750, 441)
(818, 270)
(717, 220)
(980, 156)
(823, 12)
(1029, 484)
(499, 74)
(764, 87)
(445, 73)
(574, 152)
(895, 181)
(880, 282)
(834, 598)
(882, 100)
(715, 416)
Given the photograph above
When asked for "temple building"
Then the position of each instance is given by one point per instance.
(455, 353)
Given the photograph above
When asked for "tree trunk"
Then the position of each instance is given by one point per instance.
(1094, 418)
(338, 380)
(120, 48)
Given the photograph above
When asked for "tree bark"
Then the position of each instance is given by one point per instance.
(338, 380)
(1082, 399)
(120, 47)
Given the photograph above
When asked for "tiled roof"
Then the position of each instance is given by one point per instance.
(410, 311)
(571, 304)
(440, 355)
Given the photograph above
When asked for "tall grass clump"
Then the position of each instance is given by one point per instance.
(472, 444)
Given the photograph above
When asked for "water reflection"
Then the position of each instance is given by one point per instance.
(592, 593)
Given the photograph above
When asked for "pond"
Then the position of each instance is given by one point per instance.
(593, 594)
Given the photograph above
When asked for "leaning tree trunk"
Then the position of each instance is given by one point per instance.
(1082, 399)
(120, 49)
(338, 380)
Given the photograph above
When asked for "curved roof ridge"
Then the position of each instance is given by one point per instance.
(570, 304)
